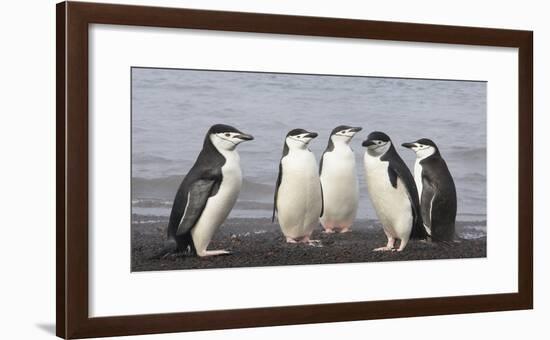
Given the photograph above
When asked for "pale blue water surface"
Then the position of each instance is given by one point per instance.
(172, 109)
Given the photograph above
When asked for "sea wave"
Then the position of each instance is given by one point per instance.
(473, 232)
(463, 152)
(254, 205)
(165, 188)
(147, 158)
(151, 203)
(474, 177)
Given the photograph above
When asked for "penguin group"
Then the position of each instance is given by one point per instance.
(409, 207)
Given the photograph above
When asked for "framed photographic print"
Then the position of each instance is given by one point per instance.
(222, 170)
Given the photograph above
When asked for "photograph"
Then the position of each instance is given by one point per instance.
(247, 169)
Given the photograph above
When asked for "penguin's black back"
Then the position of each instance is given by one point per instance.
(438, 184)
(279, 180)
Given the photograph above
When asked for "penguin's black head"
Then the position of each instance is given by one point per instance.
(377, 143)
(423, 147)
(375, 139)
(299, 137)
(226, 137)
(343, 129)
(345, 132)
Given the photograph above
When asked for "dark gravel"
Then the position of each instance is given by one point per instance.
(258, 242)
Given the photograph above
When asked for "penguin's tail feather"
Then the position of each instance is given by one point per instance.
(418, 231)
(170, 247)
(182, 246)
(444, 243)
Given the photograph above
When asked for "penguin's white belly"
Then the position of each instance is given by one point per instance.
(299, 195)
(392, 205)
(218, 206)
(340, 188)
(418, 178)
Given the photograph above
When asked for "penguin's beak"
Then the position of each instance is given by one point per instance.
(368, 143)
(356, 129)
(245, 136)
(311, 135)
(409, 145)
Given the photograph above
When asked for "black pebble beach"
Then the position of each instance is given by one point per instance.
(258, 242)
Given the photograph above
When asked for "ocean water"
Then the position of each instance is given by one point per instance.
(172, 110)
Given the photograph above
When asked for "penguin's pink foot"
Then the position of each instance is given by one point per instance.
(290, 240)
(345, 230)
(386, 248)
(328, 227)
(403, 244)
(208, 253)
(389, 246)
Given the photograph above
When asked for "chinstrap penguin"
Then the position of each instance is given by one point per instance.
(207, 193)
(298, 198)
(436, 189)
(392, 191)
(339, 181)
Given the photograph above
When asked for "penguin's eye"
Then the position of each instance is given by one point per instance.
(227, 135)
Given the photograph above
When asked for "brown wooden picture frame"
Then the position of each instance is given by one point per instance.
(72, 291)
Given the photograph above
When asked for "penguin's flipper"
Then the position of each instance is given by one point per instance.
(277, 184)
(322, 201)
(321, 163)
(428, 195)
(392, 175)
(329, 148)
(198, 194)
